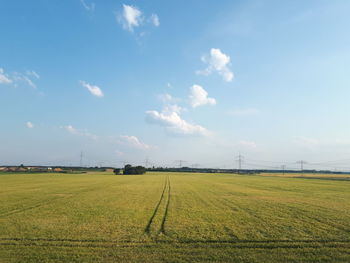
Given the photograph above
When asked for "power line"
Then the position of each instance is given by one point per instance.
(283, 168)
(301, 162)
(147, 162)
(81, 159)
(239, 159)
(181, 162)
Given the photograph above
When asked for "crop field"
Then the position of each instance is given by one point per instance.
(173, 217)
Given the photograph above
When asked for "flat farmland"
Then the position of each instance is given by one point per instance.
(173, 217)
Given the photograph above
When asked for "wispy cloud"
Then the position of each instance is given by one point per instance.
(132, 17)
(199, 96)
(306, 141)
(32, 73)
(247, 144)
(29, 125)
(94, 90)
(16, 79)
(126, 140)
(4, 78)
(89, 7)
(119, 153)
(134, 142)
(155, 20)
(218, 62)
(74, 131)
(244, 112)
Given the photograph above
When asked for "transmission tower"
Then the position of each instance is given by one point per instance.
(301, 162)
(180, 162)
(147, 162)
(81, 159)
(239, 160)
(283, 168)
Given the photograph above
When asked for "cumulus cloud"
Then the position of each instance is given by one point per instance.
(131, 17)
(74, 131)
(218, 62)
(199, 96)
(4, 78)
(29, 125)
(155, 20)
(94, 90)
(134, 142)
(89, 7)
(172, 121)
(244, 112)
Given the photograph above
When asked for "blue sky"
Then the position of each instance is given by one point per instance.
(198, 81)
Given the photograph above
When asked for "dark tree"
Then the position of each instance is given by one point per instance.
(128, 169)
(116, 171)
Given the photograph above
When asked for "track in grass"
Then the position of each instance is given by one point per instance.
(241, 244)
(162, 205)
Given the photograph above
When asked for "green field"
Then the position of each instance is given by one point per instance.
(173, 217)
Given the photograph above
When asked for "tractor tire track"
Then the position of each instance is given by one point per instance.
(162, 226)
(163, 205)
(239, 244)
(155, 211)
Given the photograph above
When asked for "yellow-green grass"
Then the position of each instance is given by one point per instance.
(172, 217)
(330, 176)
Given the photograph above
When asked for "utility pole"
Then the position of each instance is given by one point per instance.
(124, 163)
(240, 160)
(301, 162)
(81, 159)
(146, 162)
(181, 162)
(283, 168)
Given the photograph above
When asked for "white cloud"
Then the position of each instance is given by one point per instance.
(32, 73)
(305, 141)
(131, 17)
(172, 121)
(155, 20)
(29, 82)
(244, 112)
(248, 144)
(174, 108)
(134, 142)
(88, 7)
(29, 125)
(94, 90)
(16, 78)
(217, 62)
(74, 131)
(165, 97)
(199, 97)
(119, 153)
(4, 79)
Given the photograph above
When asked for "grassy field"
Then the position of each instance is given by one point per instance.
(173, 217)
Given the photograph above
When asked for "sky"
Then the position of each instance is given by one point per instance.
(162, 81)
